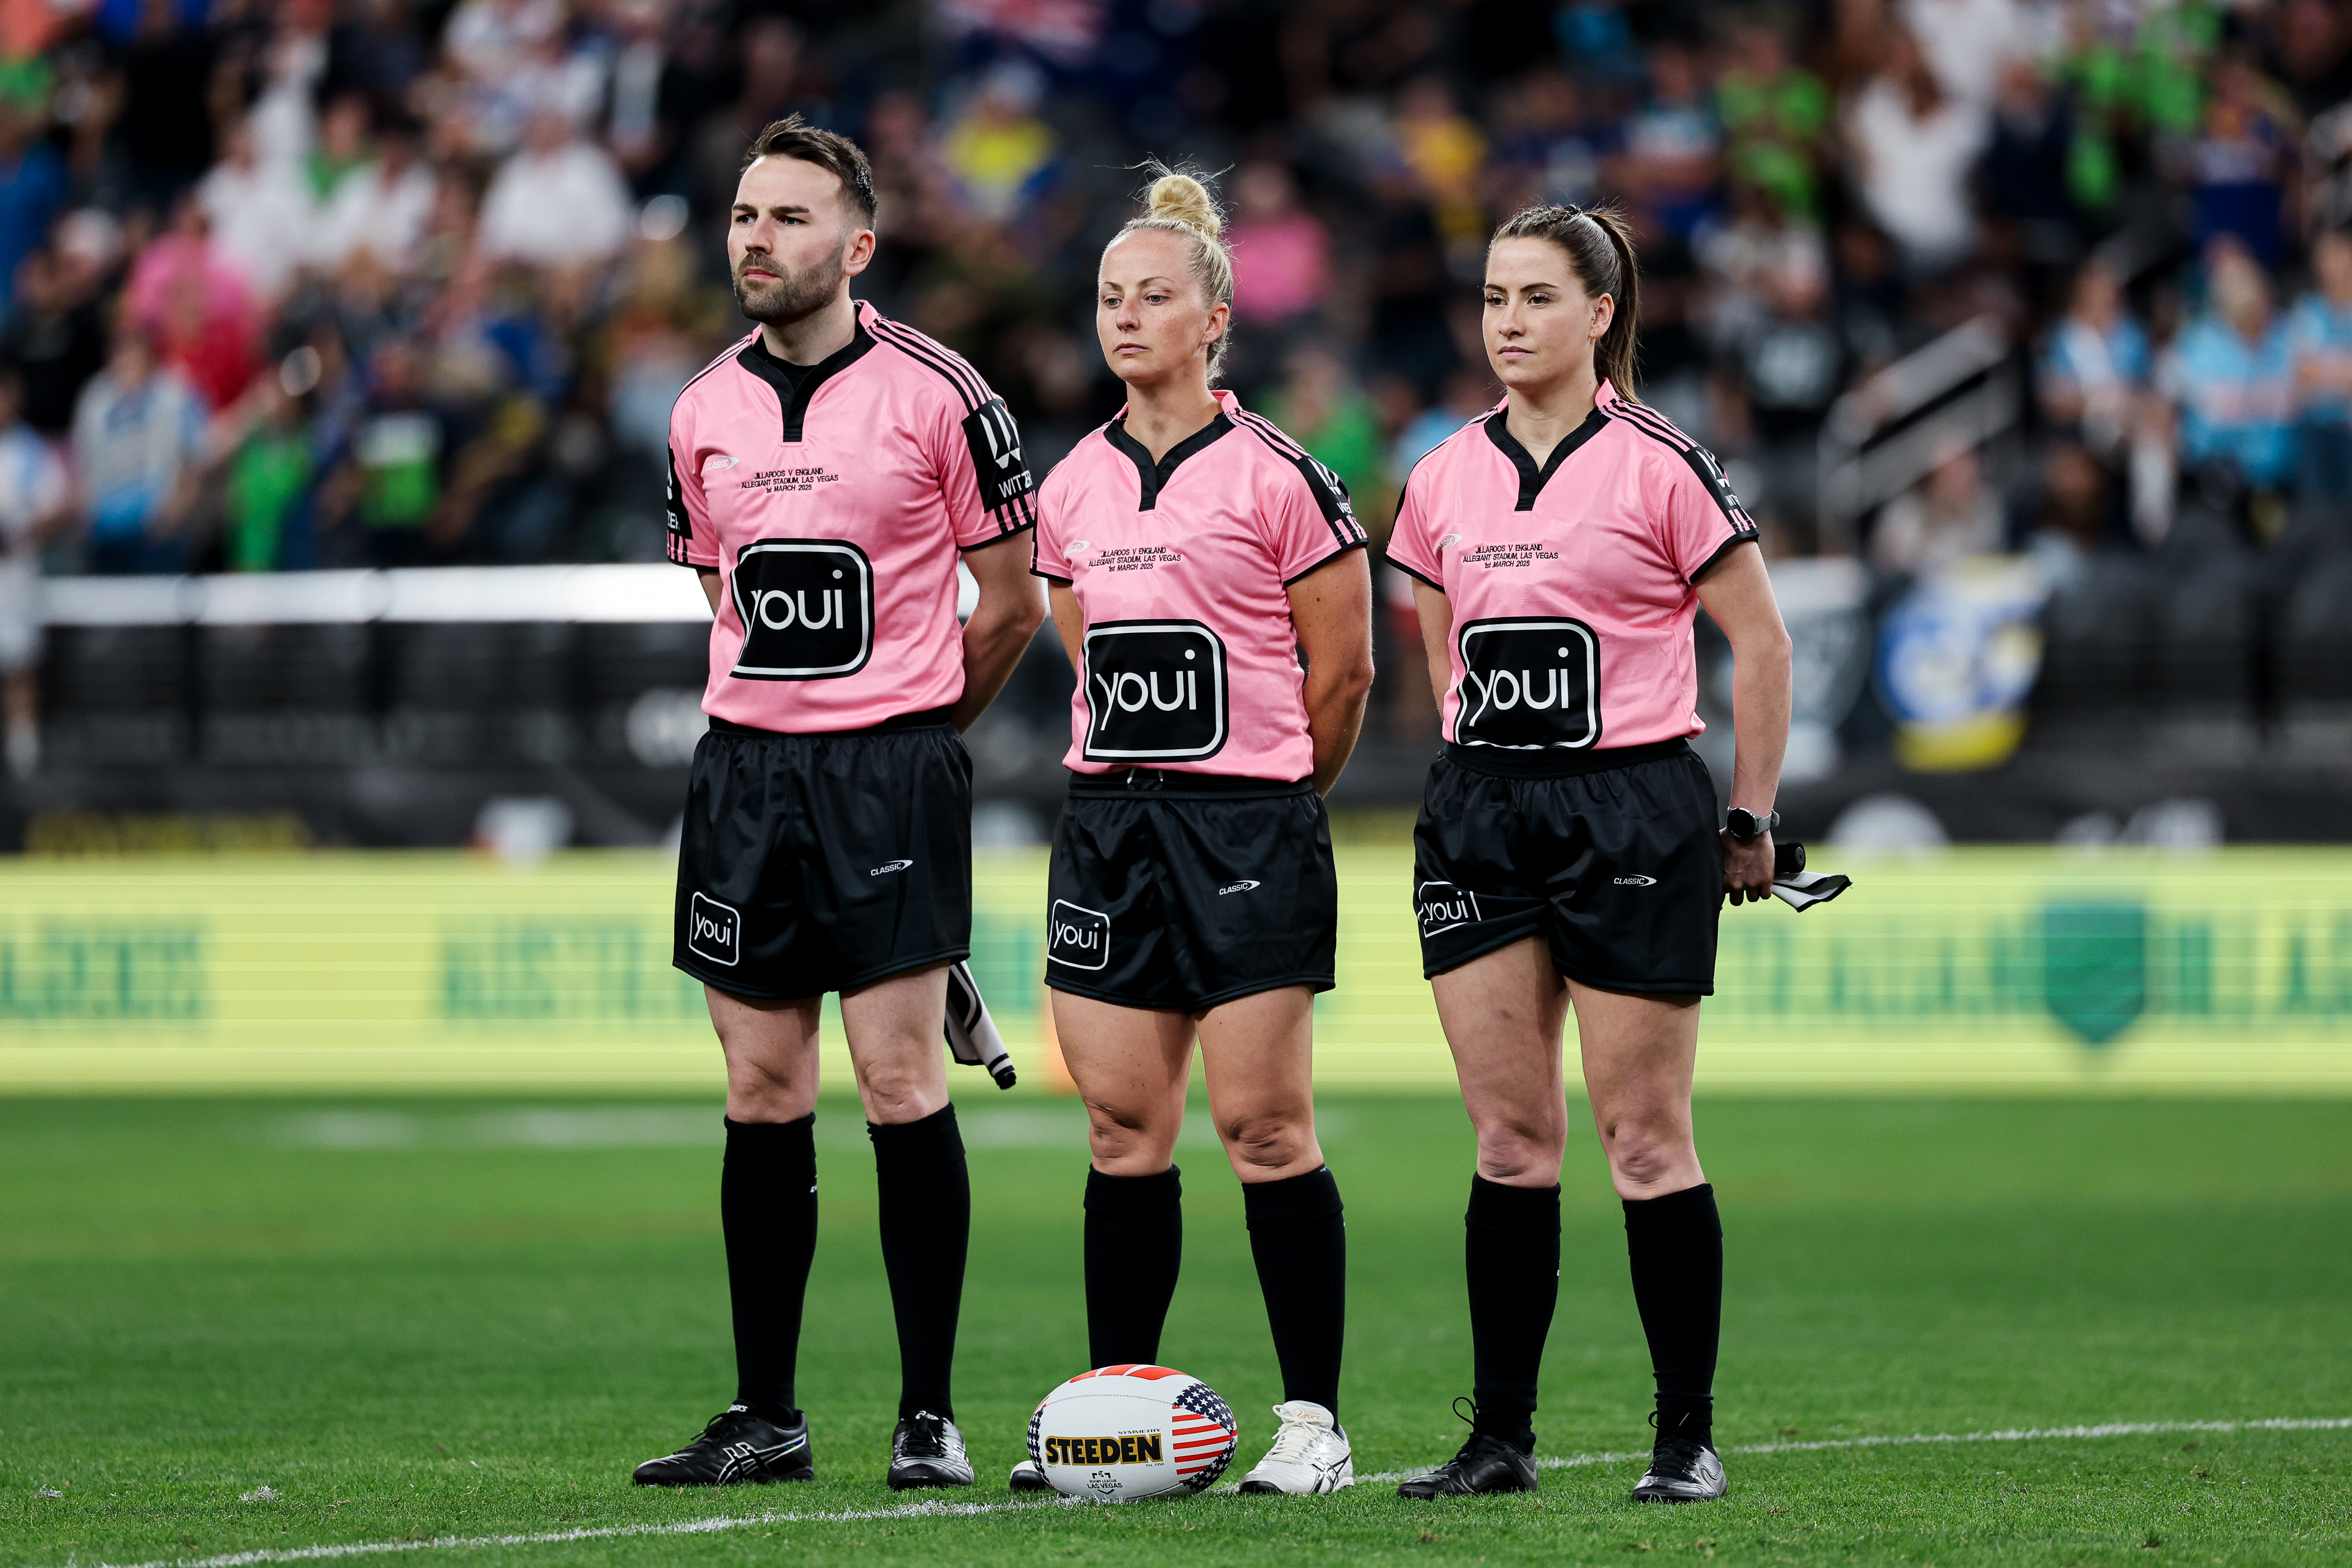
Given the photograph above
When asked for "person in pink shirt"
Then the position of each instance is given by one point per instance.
(1569, 849)
(1194, 553)
(824, 474)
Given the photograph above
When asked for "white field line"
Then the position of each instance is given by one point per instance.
(2012, 1435)
(963, 1510)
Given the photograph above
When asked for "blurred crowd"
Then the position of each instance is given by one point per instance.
(303, 283)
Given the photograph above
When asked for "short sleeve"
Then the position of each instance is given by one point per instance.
(1308, 516)
(1409, 550)
(1046, 557)
(1701, 521)
(685, 509)
(985, 479)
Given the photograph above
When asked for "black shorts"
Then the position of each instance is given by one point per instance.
(1612, 857)
(816, 863)
(1177, 892)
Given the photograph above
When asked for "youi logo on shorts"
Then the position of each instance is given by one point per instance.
(1076, 936)
(1155, 692)
(807, 607)
(1529, 684)
(714, 931)
(1442, 906)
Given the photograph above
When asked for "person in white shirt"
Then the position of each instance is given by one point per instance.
(560, 199)
(1914, 144)
(34, 494)
(381, 209)
(260, 213)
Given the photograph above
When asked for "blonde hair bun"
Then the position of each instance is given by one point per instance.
(1181, 198)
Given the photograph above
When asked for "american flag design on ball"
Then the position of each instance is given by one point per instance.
(1122, 1433)
(1205, 1436)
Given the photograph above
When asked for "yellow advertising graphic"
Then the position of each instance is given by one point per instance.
(1996, 970)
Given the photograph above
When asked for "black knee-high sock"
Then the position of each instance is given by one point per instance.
(926, 1210)
(1134, 1245)
(1676, 1243)
(767, 1210)
(1299, 1235)
(1510, 1251)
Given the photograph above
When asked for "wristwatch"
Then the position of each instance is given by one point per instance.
(1744, 824)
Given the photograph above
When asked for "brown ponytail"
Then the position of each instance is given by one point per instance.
(1599, 249)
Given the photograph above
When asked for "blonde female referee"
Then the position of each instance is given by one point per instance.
(1569, 851)
(1195, 557)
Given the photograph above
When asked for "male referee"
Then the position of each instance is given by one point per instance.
(824, 474)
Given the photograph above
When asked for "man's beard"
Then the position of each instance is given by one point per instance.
(793, 295)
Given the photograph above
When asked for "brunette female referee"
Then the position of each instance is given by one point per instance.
(1193, 552)
(1569, 849)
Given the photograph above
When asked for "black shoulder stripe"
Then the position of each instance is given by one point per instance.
(1273, 435)
(945, 360)
(1331, 493)
(1703, 463)
(1652, 424)
(732, 349)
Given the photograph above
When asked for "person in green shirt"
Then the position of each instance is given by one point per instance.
(269, 481)
(1776, 121)
(1323, 409)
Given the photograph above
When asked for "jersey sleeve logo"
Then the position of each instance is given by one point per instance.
(1155, 692)
(807, 607)
(996, 460)
(1718, 485)
(1529, 684)
(681, 526)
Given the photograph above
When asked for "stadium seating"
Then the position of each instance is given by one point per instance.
(2312, 656)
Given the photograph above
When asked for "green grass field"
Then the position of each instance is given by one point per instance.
(253, 1327)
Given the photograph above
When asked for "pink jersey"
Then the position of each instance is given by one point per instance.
(1181, 567)
(832, 498)
(1571, 584)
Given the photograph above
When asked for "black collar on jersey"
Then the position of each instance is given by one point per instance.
(796, 383)
(1155, 475)
(1532, 479)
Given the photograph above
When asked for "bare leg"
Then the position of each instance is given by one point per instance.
(1503, 1014)
(1639, 1053)
(1258, 1053)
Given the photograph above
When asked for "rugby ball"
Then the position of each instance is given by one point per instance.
(1120, 1433)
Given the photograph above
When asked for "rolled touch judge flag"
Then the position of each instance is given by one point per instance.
(1797, 887)
(973, 1039)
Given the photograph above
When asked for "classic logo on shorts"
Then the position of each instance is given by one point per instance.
(1155, 692)
(807, 607)
(1442, 906)
(714, 931)
(1529, 684)
(1077, 936)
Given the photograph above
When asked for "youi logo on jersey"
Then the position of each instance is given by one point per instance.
(1529, 683)
(1155, 692)
(807, 607)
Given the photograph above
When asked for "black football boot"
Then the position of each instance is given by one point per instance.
(737, 1446)
(1682, 1470)
(928, 1451)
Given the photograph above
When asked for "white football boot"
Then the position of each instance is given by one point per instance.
(1027, 1478)
(1311, 1454)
